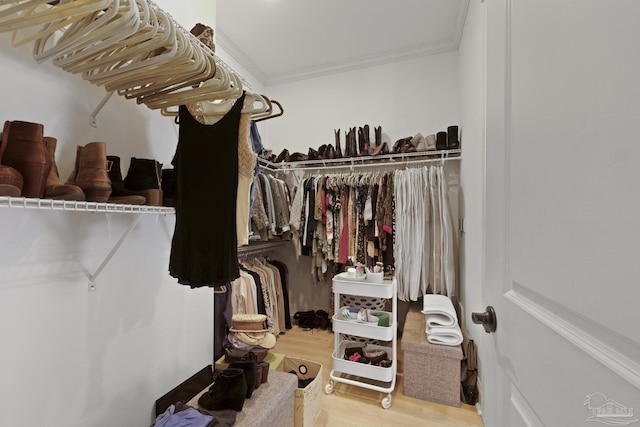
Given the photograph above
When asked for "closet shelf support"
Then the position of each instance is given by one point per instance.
(93, 277)
(94, 113)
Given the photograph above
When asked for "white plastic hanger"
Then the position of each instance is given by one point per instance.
(73, 33)
(123, 50)
(41, 13)
(123, 21)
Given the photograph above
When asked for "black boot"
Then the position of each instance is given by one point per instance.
(249, 367)
(353, 143)
(365, 142)
(227, 392)
(453, 143)
(338, 154)
(441, 140)
(169, 187)
(119, 194)
(144, 177)
(322, 152)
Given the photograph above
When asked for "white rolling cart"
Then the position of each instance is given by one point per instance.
(372, 377)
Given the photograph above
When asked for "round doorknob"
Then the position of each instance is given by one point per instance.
(487, 319)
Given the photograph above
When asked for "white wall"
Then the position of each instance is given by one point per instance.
(417, 95)
(71, 357)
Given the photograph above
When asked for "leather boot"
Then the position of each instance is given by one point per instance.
(228, 391)
(249, 367)
(144, 178)
(265, 371)
(441, 140)
(119, 194)
(10, 182)
(353, 143)
(90, 173)
(347, 144)
(54, 188)
(453, 143)
(338, 154)
(366, 141)
(23, 149)
(378, 133)
(168, 181)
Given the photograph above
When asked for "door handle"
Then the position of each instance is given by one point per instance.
(487, 319)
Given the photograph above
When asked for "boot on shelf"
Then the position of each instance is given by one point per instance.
(366, 143)
(441, 140)
(90, 173)
(338, 154)
(453, 143)
(168, 181)
(10, 182)
(119, 194)
(430, 142)
(144, 178)
(54, 188)
(23, 149)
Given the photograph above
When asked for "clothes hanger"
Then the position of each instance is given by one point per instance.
(101, 31)
(201, 69)
(98, 64)
(78, 34)
(186, 68)
(271, 116)
(146, 59)
(46, 31)
(266, 113)
(234, 91)
(41, 13)
(154, 73)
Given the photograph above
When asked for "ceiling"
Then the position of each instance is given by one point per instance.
(279, 41)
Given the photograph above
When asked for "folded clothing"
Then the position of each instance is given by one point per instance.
(444, 335)
(439, 311)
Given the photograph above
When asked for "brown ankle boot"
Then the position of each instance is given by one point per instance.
(10, 182)
(90, 173)
(23, 149)
(54, 188)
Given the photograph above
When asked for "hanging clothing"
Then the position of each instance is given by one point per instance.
(204, 249)
(246, 166)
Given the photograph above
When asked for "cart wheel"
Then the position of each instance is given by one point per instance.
(386, 402)
(328, 389)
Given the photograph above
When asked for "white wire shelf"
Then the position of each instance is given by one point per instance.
(68, 205)
(393, 159)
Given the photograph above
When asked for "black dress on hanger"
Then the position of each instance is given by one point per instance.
(204, 249)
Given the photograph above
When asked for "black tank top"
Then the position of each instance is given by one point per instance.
(204, 249)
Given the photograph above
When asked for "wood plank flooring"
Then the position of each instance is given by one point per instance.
(352, 406)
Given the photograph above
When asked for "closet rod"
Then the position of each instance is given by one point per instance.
(260, 249)
(388, 160)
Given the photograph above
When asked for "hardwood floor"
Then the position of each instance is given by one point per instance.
(351, 406)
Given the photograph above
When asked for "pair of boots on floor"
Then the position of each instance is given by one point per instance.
(233, 385)
(28, 169)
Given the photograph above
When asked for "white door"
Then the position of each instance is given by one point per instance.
(562, 213)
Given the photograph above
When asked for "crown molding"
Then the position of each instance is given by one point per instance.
(382, 58)
(362, 62)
